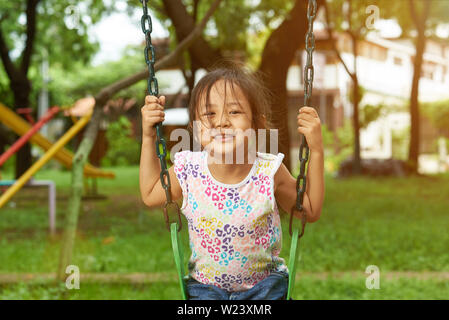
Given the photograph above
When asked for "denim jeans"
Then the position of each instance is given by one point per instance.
(273, 287)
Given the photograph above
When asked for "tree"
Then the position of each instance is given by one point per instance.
(90, 134)
(278, 52)
(277, 56)
(350, 18)
(190, 37)
(418, 21)
(44, 26)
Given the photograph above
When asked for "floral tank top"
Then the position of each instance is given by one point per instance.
(234, 229)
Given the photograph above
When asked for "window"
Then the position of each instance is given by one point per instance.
(397, 61)
(428, 70)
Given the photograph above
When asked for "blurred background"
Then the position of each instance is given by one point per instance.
(381, 88)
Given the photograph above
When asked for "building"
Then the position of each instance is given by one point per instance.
(385, 70)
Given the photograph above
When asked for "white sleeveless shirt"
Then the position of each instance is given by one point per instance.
(234, 229)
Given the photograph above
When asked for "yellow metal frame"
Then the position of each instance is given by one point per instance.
(44, 159)
(20, 127)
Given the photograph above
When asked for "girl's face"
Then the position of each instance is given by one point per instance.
(226, 121)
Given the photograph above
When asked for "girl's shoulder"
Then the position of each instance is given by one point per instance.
(269, 156)
(269, 163)
(187, 156)
(185, 165)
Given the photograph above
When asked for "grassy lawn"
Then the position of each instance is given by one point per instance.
(393, 223)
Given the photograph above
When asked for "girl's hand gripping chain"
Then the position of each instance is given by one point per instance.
(152, 113)
(309, 125)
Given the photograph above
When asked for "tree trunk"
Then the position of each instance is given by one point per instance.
(91, 133)
(357, 167)
(277, 56)
(414, 109)
(74, 204)
(200, 52)
(18, 78)
(414, 103)
(21, 90)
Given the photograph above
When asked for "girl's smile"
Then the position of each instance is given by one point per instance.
(224, 118)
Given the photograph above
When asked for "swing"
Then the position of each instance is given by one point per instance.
(175, 227)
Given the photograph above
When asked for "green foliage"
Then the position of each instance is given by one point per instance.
(338, 13)
(338, 146)
(232, 24)
(61, 37)
(62, 28)
(400, 140)
(362, 92)
(255, 45)
(345, 135)
(8, 166)
(401, 12)
(6, 97)
(272, 12)
(369, 113)
(328, 137)
(397, 10)
(438, 113)
(67, 87)
(123, 149)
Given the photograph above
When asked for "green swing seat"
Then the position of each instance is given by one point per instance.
(153, 89)
(178, 255)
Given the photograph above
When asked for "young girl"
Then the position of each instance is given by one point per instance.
(234, 225)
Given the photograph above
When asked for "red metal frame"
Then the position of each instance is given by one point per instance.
(27, 136)
(27, 112)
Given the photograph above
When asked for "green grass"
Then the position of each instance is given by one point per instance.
(306, 289)
(398, 224)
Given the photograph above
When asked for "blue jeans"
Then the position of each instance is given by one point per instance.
(273, 287)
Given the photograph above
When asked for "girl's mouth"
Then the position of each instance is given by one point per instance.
(224, 138)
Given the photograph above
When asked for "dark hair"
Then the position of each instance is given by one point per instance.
(234, 73)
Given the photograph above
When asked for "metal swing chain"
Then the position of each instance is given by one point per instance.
(153, 89)
(301, 180)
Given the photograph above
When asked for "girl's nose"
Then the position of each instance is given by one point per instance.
(224, 120)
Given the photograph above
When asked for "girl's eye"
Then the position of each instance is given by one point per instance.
(209, 114)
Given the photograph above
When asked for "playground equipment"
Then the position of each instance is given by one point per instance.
(51, 197)
(56, 150)
(175, 227)
(64, 156)
(23, 139)
(19, 183)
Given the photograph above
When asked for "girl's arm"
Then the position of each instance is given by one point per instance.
(285, 188)
(285, 183)
(151, 190)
